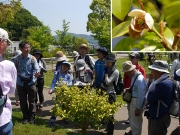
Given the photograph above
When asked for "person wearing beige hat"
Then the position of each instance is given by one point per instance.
(138, 94)
(160, 95)
(8, 85)
(83, 50)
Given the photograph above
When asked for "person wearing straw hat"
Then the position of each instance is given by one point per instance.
(160, 89)
(83, 50)
(138, 94)
(7, 85)
(40, 79)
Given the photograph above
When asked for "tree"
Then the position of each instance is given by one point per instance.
(99, 22)
(39, 37)
(23, 20)
(8, 10)
(146, 25)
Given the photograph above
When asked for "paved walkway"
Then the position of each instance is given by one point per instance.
(120, 117)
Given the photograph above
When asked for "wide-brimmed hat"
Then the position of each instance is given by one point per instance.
(63, 58)
(4, 35)
(75, 54)
(103, 50)
(159, 65)
(59, 54)
(128, 66)
(83, 46)
(36, 51)
(67, 63)
(110, 58)
(80, 64)
(178, 72)
(135, 54)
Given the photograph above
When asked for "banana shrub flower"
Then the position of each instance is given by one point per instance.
(141, 23)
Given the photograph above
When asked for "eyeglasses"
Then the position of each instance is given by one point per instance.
(132, 57)
(3, 40)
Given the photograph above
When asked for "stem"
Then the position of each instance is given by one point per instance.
(141, 4)
(163, 40)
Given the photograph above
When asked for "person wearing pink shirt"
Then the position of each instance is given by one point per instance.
(8, 77)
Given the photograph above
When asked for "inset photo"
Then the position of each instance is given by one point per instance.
(141, 25)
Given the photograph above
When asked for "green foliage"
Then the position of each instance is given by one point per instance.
(99, 22)
(8, 11)
(83, 106)
(39, 37)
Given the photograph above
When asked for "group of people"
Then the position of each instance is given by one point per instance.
(25, 74)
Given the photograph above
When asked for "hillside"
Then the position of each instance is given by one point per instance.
(89, 38)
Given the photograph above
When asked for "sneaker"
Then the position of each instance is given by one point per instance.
(127, 121)
(17, 103)
(40, 107)
(24, 121)
(31, 121)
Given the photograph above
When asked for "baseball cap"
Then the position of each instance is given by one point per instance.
(4, 35)
(135, 54)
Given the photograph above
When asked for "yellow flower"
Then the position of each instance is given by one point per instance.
(141, 22)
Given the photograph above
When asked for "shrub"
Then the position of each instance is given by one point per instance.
(83, 106)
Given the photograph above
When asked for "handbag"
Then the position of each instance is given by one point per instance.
(127, 95)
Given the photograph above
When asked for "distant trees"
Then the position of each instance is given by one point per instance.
(99, 22)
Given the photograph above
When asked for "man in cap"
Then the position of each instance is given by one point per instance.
(138, 93)
(161, 89)
(99, 66)
(83, 50)
(134, 58)
(7, 85)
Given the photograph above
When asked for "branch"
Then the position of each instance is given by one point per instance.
(141, 4)
(176, 40)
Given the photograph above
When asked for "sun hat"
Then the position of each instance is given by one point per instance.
(63, 58)
(59, 54)
(83, 46)
(103, 50)
(110, 58)
(75, 54)
(80, 64)
(4, 35)
(67, 63)
(36, 51)
(159, 65)
(178, 72)
(135, 54)
(128, 66)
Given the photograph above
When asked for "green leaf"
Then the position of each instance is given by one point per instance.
(171, 12)
(121, 29)
(120, 8)
(113, 24)
(149, 48)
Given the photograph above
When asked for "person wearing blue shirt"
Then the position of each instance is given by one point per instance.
(27, 73)
(67, 79)
(99, 66)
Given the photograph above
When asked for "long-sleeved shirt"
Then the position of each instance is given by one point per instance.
(127, 79)
(26, 69)
(66, 79)
(8, 77)
(175, 66)
(138, 90)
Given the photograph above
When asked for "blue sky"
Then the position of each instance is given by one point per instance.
(52, 12)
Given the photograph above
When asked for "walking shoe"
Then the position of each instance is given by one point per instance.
(127, 121)
(17, 103)
(24, 121)
(40, 107)
(31, 121)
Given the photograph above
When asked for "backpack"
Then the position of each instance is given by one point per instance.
(174, 108)
(3, 98)
(120, 85)
(87, 60)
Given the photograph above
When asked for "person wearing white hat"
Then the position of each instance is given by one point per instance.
(161, 89)
(138, 94)
(175, 66)
(8, 85)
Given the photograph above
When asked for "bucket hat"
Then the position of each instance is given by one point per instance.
(67, 63)
(4, 35)
(178, 72)
(159, 65)
(128, 66)
(110, 58)
(80, 64)
(83, 46)
(103, 50)
(75, 54)
(36, 51)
